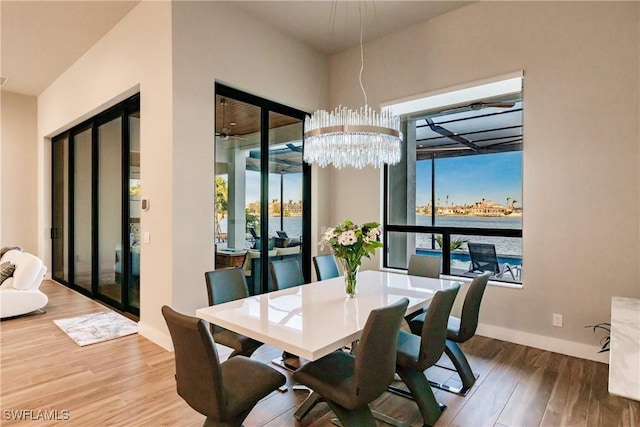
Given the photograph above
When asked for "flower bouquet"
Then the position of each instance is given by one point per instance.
(350, 243)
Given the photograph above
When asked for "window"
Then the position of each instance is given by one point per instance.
(459, 183)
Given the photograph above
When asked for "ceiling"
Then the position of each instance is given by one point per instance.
(332, 27)
(477, 128)
(41, 39)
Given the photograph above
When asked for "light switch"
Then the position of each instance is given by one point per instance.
(146, 237)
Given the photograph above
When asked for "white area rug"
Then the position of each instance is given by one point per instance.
(97, 327)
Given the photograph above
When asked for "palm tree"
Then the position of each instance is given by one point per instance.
(453, 244)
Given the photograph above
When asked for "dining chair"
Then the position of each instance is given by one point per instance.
(229, 284)
(349, 382)
(425, 266)
(286, 273)
(326, 266)
(460, 330)
(416, 353)
(223, 392)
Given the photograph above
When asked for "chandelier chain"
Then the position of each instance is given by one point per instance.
(364, 92)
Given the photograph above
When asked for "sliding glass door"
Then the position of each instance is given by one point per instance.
(109, 226)
(262, 186)
(95, 215)
(81, 212)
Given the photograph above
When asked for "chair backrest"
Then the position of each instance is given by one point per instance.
(224, 285)
(282, 234)
(434, 329)
(253, 232)
(286, 273)
(375, 361)
(425, 266)
(198, 374)
(326, 266)
(471, 306)
(483, 257)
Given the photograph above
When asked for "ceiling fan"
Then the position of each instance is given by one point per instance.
(225, 132)
(475, 106)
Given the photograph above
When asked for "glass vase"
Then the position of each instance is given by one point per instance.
(350, 279)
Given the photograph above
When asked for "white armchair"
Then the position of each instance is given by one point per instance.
(20, 294)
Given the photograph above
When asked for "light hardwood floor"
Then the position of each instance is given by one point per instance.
(130, 382)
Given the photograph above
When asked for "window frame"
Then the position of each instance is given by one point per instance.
(446, 231)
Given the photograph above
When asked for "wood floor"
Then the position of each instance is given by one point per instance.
(129, 382)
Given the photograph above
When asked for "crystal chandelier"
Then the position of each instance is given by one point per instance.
(357, 138)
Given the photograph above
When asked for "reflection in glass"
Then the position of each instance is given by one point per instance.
(60, 205)
(110, 209)
(82, 225)
(134, 209)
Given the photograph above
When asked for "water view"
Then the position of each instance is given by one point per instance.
(508, 246)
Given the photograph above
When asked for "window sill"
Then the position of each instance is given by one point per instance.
(463, 279)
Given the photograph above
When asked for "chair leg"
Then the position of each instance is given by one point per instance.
(422, 394)
(453, 350)
(234, 422)
(312, 400)
(361, 417)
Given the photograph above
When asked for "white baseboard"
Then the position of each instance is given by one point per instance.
(556, 345)
(160, 338)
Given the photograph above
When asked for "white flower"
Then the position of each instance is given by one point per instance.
(329, 234)
(373, 233)
(326, 237)
(347, 238)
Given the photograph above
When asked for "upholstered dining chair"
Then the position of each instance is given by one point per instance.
(348, 383)
(220, 391)
(226, 285)
(286, 273)
(425, 266)
(460, 330)
(326, 266)
(416, 353)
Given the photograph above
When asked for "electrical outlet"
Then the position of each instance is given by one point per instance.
(557, 320)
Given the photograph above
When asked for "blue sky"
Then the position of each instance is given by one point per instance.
(466, 179)
(292, 186)
(469, 179)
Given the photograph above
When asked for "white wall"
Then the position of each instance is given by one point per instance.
(212, 41)
(18, 171)
(173, 52)
(581, 147)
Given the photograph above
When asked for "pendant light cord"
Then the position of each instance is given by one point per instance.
(362, 56)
